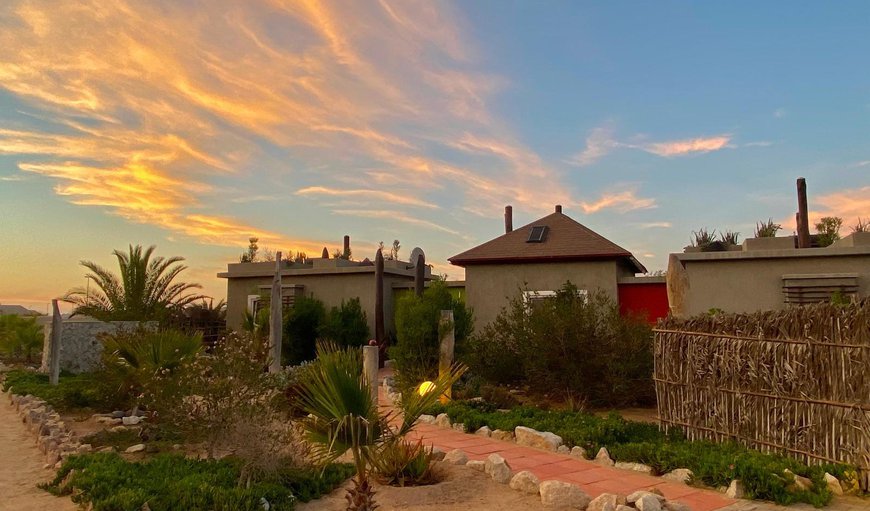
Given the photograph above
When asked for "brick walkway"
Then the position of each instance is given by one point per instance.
(593, 478)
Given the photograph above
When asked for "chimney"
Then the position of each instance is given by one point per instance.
(508, 219)
(346, 245)
(558, 208)
(803, 222)
(325, 253)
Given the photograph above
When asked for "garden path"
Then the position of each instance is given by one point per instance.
(21, 469)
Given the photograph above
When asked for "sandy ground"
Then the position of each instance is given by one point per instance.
(21, 468)
(463, 488)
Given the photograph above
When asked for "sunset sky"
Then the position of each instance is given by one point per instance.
(193, 125)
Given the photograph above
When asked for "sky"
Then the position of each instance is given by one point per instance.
(193, 125)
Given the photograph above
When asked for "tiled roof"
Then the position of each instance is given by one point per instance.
(565, 240)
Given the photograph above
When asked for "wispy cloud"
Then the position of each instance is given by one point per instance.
(687, 146)
(601, 142)
(654, 225)
(14, 177)
(598, 144)
(151, 133)
(760, 143)
(849, 204)
(622, 201)
(864, 163)
(396, 216)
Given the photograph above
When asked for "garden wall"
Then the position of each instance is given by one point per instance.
(795, 381)
(80, 346)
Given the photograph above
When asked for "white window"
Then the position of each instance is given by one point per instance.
(253, 304)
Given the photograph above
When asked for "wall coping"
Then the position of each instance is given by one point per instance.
(775, 254)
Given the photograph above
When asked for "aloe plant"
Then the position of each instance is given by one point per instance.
(343, 416)
(729, 237)
(767, 229)
(703, 238)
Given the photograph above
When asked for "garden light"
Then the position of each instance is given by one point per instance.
(425, 388)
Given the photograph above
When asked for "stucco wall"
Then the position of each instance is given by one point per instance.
(489, 288)
(80, 345)
(331, 289)
(749, 282)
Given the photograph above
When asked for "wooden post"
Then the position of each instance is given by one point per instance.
(447, 331)
(276, 318)
(325, 253)
(803, 227)
(370, 370)
(54, 344)
(380, 332)
(346, 249)
(419, 274)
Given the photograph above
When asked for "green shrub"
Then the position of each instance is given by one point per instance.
(20, 338)
(346, 325)
(400, 463)
(72, 391)
(579, 346)
(172, 482)
(714, 464)
(417, 332)
(302, 324)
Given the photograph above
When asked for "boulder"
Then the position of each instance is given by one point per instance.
(538, 439)
(578, 452)
(131, 420)
(670, 505)
(478, 465)
(484, 431)
(679, 475)
(603, 457)
(459, 427)
(561, 494)
(563, 449)
(833, 484)
(118, 429)
(498, 468)
(604, 502)
(637, 467)
(507, 436)
(135, 448)
(426, 419)
(735, 490)
(443, 420)
(800, 482)
(438, 453)
(634, 497)
(456, 457)
(117, 414)
(526, 482)
(648, 502)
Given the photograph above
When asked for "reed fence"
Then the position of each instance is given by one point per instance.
(795, 381)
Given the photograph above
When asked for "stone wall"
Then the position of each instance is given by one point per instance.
(80, 345)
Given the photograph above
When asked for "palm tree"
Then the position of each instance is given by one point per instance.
(144, 291)
(343, 416)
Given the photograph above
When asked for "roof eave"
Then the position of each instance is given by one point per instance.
(458, 261)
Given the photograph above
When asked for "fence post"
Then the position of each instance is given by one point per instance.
(370, 370)
(276, 322)
(54, 344)
(447, 332)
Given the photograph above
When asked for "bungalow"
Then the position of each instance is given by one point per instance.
(538, 258)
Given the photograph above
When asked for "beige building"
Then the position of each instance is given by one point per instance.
(767, 274)
(328, 280)
(536, 260)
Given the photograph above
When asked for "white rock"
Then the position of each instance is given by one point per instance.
(648, 502)
(506, 436)
(526, 482)
(459, 427)
(603, 457)
(561, 494)
(634, 497)
(578, 452)
(131, 421)
(443, 420)
(833, 484)
(538, 439)
(800, 483)
(637, 467)
(735, 490)
(670, 505)
(604, 502)
(679, 475)
(135, 448)
(456, 457)
(498, 469)
(484, 431)
(426, 419)
(478, 465)
(563, 449)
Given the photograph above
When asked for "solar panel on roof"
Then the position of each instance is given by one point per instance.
(537, 234)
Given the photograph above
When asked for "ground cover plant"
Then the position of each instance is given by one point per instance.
(21, 338)
(572, 345)
(73, 392)
(714, 464)
(172, 482)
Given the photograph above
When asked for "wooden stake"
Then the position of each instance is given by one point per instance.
(276, 318)
(54, 344)
(803, 226)
(447, 330)
(370, 370)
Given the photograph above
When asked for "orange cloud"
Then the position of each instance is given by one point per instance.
(375, 195)
(624, 201)
(850, 205)
(688, 146)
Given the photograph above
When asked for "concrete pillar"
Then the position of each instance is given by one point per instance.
(54, 344)
(370, 370)
(447, 331)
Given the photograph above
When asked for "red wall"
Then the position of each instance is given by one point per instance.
(648, 300)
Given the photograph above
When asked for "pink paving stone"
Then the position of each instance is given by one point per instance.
(676, 491)
(705, 501)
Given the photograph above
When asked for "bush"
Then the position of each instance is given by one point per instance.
(714, 464)
(346, 325)
(20, 338)
(400, 463)
(72, 391)
(302, 325)
(417, 331)
(580, 346)
(173, 482)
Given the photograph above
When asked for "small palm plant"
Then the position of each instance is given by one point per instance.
(767, 229)
(343, 415)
